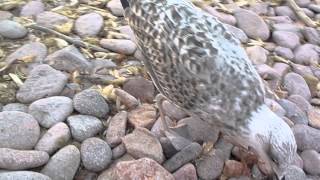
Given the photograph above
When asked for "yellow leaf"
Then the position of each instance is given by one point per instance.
(27, 59)
(65, 28)
(16, 79)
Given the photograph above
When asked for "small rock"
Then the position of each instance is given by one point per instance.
(43, 81)
(51, 110)
(83, 126)
(253, 25)
(302, 70)
(15, 107)
(234, 168)
(285, 11)
(187, 154)
(141, 169)
(143, 116)
(157, 128)
(32, 8)
(173, 111)
(302, 103)
(294, 173)
(126, 99)
(64, 164)
(51, 19)
(281, 68)
(275, 107)
(122, 46)
(306, 54)
(117, 128)
(303, 3)
(199, 130)
(238, 33)
(118, 151)
(186, 172)
(95, 154)
(128, 31)
(311, 162)
(140, 88)
(210, 166)
(68, 59)
(284, 52)
(307, 137)
(267, 73)
(223, 17)
(115, 7)
(260, 8)
(5, 15)
(91, 102)
(293, 112)
(12, 30)
(18, 130)
(288, 27)
(26, 175)
(314, 7)
(286, 39)
(56, 137)
(308, 12)
(21, 159)
(280, 19)
(70, 90)
(84, 174)
(295, 84)
(89, 24)
(314, 117)
(141, 143)
(110, 173)
(257, 54)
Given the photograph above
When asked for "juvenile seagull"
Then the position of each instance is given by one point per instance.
(196, 63)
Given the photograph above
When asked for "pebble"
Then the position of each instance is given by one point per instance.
(293, 112)
(26, 175)
(32, 8)
(210, 166)
(140, 88)
(43, 81)
(49, 111)
(253, 25)
(121, 46)
(314, 7)
(187, 154)
(95, 154)
(223, 17)
(238, 33)
(311, 162)
(5, 15)
(288, 27)
(199, 130)
(126, 99)
(91, 102)
(285, 11)
(306, 54)
(64, 164)
(12, 159)
(141, 143)
(110, 173)
(143, 116)
(279, 19)
(284, 52)
(56, 137)
(83, 126)
(312, 35)
(68, 59)
(314, 117)
(294, 173)
(115, 7)
(303, 3)
(186, 172)
(295, 84)
(302, 70)
(70, 90)
(257, 54)
(302, 103)
(117, 128)
(140, 169)
(84, 174)
(260, 8)
(157, 128)
(51, 19)
(308, 12)
(234, 168)
(307, 137)
(173, 111)
(281, 68)
(286, 39)
(275, 107)
(18, 130)
(118, 151)
(34, 49)
(89, 24)
(15, 107)
(12, 30)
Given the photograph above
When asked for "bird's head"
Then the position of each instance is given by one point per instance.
(273, 141)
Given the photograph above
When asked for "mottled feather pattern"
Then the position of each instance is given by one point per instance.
(199, 65)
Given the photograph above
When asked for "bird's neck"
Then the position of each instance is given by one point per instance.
(124, 3)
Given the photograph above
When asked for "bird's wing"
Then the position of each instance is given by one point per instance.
(197, 62)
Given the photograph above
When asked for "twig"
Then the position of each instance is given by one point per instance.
(76, 42)
(301, 14)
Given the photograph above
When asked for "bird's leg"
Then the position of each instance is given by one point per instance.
(159, 99)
